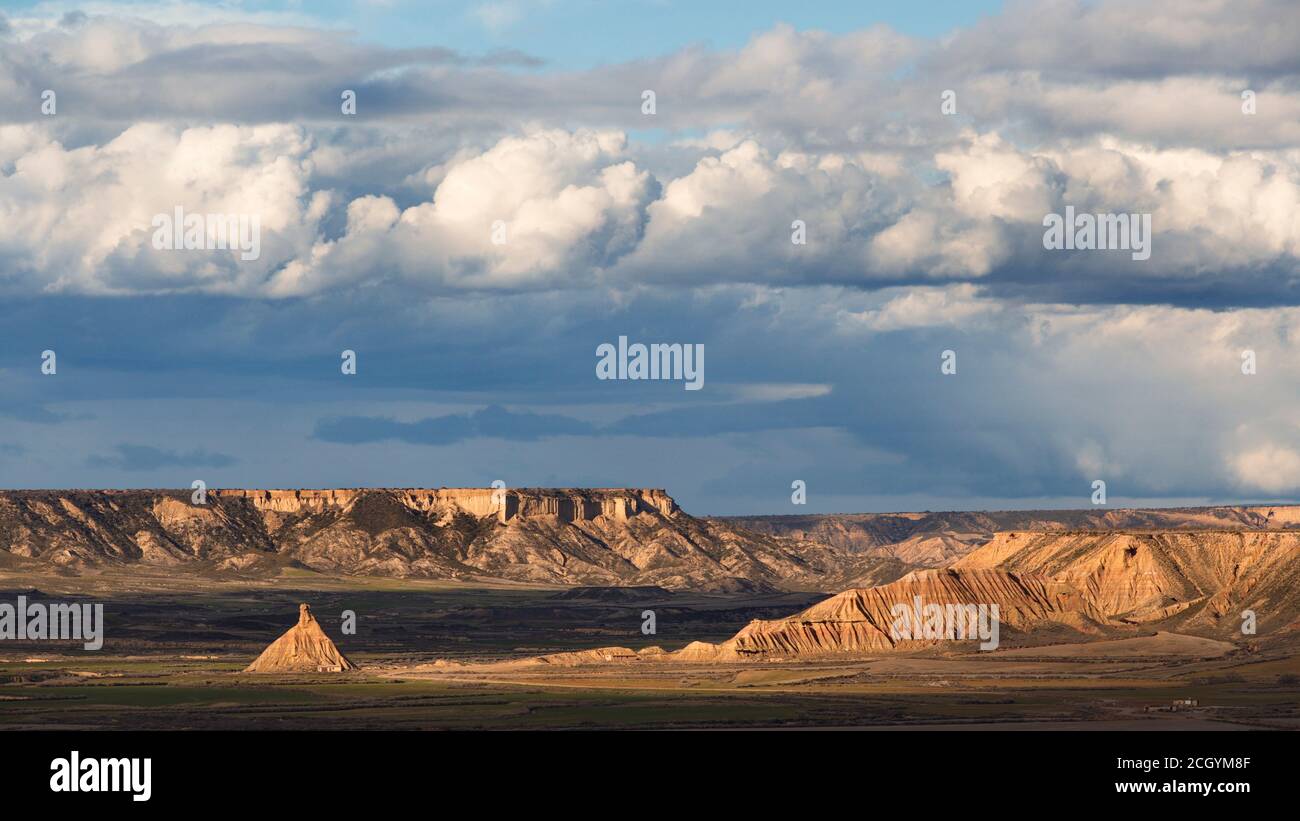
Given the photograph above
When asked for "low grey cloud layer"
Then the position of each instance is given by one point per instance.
(129, 457)
(490, 422)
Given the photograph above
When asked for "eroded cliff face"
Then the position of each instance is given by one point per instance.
(1049, 587)
(1088, 583)
(1195, 579)
(604, 536)
(567, 504)
(861, 620)
(937, 539)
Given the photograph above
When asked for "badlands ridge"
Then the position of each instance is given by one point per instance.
(1048, 587)
(1073, 573)
(607, 537)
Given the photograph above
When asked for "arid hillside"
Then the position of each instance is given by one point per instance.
(1201, 580)
(862, 620)
(1049, 588)
(1134, 566)
(935, 539)
(1098, 584)
(560, 536)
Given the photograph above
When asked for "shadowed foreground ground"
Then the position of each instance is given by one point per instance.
(173, 648)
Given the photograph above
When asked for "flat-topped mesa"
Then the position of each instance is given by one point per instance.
(292, 501)
(567, 504)
(572, 505)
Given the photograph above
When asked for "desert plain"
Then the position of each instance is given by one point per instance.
(1115, 620)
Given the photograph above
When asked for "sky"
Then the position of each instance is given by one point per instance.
(831, 200)
(566, 34)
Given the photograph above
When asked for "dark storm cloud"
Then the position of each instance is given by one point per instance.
(30, 412)
(1022, 418)
(492, 421)
(133, 458)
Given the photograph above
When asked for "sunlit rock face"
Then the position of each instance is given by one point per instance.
(568, 504)
(566, 536)
(304, 648)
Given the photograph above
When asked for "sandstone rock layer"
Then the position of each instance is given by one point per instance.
(303, 649)
(1202, 579)
(566, 536)
(860, 620)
